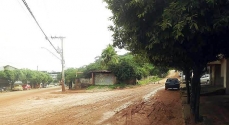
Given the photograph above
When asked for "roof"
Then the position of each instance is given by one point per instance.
(2, 68)
(101, 71)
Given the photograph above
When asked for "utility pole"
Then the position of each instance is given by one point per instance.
(62, 60)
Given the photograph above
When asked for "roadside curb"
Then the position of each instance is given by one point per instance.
(185, 107)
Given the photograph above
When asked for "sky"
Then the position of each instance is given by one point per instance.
(83, 23)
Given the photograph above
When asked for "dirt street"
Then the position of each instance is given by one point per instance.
(133, 106)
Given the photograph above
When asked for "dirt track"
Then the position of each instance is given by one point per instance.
(50, 106)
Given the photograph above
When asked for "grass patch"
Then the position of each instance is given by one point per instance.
(122, 85)
(115, 86)
(149, 80)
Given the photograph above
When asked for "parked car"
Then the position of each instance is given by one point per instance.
(2, 89)
(17, 88)
(205, 79)
(172, 83)
(26, 87)
(51, 85)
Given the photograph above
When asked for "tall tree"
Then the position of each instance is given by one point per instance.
(11, 77)
(168, 31)
(70, 76)
(109, 56)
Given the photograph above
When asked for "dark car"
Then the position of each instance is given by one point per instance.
(172, 83)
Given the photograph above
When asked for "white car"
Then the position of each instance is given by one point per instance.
(205, 79)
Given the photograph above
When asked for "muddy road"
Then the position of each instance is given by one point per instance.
(49, 106)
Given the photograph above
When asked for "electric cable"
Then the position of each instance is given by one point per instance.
(39, 25)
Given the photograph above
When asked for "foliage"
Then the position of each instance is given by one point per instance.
(125, 70)
(91, 67)
(11, 76)
(109, 56)
(2, 75)
(25, 75)
(151, 79)
(181, 34)
(115, 86)
(70, 75)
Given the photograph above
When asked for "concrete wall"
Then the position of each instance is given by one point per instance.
(218, 78)
(104, 79)
(226, 76)
(84, 80)
(212, 75)
(224, 71)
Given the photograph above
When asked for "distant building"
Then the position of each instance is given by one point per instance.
(54, 75)
(7, 67)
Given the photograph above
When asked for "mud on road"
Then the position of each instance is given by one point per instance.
(134, 106)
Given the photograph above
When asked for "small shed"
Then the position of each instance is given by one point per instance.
(103, 77)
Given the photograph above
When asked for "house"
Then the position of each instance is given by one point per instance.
(219, 73)
(7, 67)
(103, 77)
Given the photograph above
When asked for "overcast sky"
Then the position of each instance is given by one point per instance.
(83, 22)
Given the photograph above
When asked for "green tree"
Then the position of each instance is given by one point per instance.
(168, 31)
(24, 77)
(126, 69)
(109, 56)
(11, 77)
(70, 76)
(2, 75)
(91, 67)
(50, 79)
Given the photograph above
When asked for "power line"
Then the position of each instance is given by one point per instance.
(38, 24)
(51, 53)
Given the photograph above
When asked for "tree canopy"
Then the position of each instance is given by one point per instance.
(25, 75)
(109, 56)
(183, 34)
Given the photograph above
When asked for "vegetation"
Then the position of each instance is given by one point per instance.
(124, 67)
(115, 86)
(70, 76)
(26, 76)
(109, 56)
(185, 35)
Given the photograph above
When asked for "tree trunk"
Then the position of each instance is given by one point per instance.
(11, 85)
(196, 81)
(70, 85)
(192, 97)
(187, 79)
